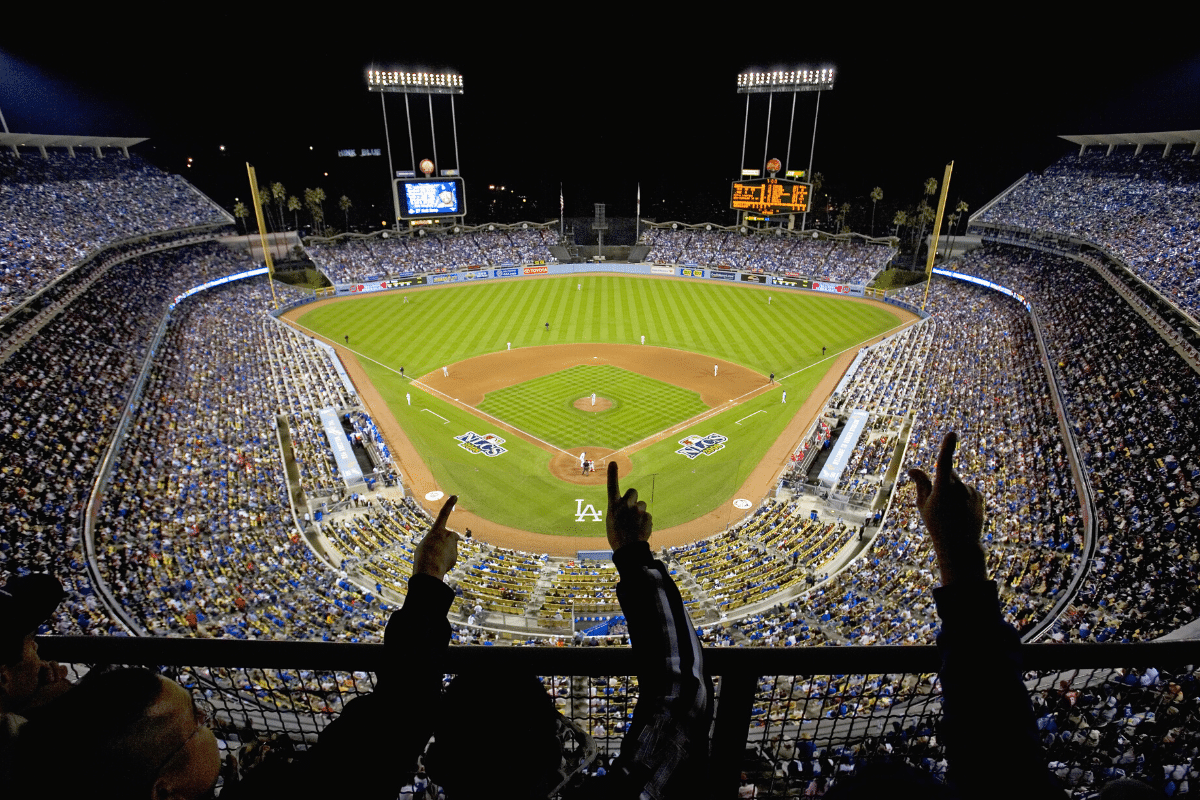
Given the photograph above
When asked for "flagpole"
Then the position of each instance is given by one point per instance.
(637, 216)
(562, 231)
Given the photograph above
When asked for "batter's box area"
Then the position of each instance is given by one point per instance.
(557, 407)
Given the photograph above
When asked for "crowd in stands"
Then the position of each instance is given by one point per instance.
(59, 209)
(1144, 209)
(359, 259)
(844, 261)
(1130, 398)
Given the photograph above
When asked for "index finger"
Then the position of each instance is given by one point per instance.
(614, 491)
(945, 462)
(444, 514)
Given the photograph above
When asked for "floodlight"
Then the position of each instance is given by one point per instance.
(414, 82)
(801, 79)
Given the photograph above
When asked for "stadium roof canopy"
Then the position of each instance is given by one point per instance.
(1165, 139)
(44, 140)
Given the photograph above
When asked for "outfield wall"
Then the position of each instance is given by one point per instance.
(409, 280)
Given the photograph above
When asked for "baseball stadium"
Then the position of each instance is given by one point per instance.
(236, 477)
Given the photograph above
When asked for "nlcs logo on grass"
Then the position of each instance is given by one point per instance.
(702, 445)
(486, 443)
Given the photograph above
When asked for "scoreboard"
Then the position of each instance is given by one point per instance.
(771, 196)
(419, 198)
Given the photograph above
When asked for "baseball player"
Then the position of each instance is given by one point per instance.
(445, 372)
(402, 372)
(408, 397)
(593, 398)
(785, 397)
(643, 338)
(822, 350)
(347, 338)
(579, 287)
(510, 345)
(772, 377)
(405, 299)
(714, 370)
(547, 327)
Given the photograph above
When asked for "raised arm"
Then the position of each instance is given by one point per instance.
(665, 750)
(990, 733)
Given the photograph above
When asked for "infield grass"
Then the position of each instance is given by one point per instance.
(731, 322)
(545, 406)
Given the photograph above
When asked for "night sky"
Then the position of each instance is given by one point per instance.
(603, 106)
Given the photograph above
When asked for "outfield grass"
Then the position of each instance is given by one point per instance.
(545, 406)
(729, 322)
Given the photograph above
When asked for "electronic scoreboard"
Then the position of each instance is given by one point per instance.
(771, 196)
(421, 198)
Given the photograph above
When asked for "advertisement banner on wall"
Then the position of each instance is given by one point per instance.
(751, 278)
(789, 282)
(507, 272)
(722, 275)
(691, 272)
(536, 270)
(476, 274)
(451, 278)
(835, 288)
(662, 271)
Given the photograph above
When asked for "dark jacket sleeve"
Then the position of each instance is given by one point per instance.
(385, 730)
(992, 747)
(665, 751)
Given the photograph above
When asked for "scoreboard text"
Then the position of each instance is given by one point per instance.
(770, 196)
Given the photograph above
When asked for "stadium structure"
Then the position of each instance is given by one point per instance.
(191, 466)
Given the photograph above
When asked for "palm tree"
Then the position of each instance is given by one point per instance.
(925, 214)
(876, 196)
(241, 212)
(313, 201)
(344, 204)
(264, 199)
(293, 205)
(900, 219)
(279, 195)
(960, 209)
(818, 180)
(841, 217)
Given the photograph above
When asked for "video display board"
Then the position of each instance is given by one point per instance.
(771, 196)
(420, 198)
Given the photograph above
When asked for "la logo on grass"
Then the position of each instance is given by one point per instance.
(589, 510)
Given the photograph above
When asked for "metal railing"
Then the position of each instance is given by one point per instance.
(783, 715)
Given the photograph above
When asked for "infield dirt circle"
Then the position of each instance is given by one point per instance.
(586, 404)
(565, 466)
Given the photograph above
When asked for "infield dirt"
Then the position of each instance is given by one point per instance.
(471, 379)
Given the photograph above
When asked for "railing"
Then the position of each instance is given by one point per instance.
(857, 705)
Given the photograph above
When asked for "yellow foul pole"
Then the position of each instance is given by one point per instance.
(262, 229)
(937, 228)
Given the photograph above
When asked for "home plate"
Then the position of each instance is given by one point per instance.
(741, 503)
(435, 495)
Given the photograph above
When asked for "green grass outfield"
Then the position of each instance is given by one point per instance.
(545, 406)
(731, 322)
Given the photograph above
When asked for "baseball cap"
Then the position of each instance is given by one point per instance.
(26, 601)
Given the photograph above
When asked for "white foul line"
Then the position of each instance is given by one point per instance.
(439, 416)
(748, 416)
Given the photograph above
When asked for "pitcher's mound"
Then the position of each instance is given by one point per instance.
(585, 404)
(565, 466)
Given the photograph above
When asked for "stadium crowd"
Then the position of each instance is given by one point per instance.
(362, 259)
(1144, 209)
(845, 261)
(60, 209)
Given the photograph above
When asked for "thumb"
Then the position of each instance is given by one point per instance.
(924, 485)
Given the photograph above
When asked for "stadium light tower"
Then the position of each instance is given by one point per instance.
(800, 79)
(408, 82)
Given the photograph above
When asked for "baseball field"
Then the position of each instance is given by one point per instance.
(496, 395)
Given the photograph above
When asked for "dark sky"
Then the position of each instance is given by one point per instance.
(602, 106)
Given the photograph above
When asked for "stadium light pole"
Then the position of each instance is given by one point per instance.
(406, 82)
(800, 79)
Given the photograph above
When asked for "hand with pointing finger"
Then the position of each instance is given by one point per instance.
(953, 514)
(627, 520)
(438, 551)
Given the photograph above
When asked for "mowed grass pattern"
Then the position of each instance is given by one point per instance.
(730, 322)
(545, 407)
